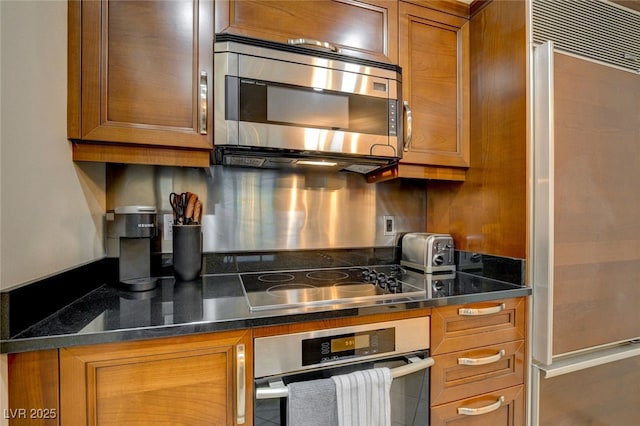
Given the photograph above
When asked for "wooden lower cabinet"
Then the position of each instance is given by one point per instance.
(503, 407)
(479, 352)
(467, 373)
(191, 380)
(33, 389)
(460, 327)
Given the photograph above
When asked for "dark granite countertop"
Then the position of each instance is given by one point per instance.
(216, 302)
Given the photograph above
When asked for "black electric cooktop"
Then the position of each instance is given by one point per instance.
(334, 286)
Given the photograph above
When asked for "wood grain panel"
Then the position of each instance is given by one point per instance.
(631, 4)
(188, 390)
(434, 49)
(360, 28)
(451, 381)
(488, 212)
(149, 76)
(596, 227)
(451, 331)
(134, 72)
(33, 389)
(595, 304)
(454, 7)
(136, 154)
(184, 380)
(74, 70)
(605, 395)
(510, 413)
(413, 171)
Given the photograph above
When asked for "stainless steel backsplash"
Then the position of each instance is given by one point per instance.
(253, 210)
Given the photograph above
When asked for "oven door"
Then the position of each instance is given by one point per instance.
(409, 390)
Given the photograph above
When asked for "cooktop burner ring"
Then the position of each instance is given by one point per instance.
(327, 275)
(284, 290)
(277, 277)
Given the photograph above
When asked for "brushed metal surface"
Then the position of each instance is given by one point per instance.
(543, 196)
(251, 210)
(295, 70)
(411, 335)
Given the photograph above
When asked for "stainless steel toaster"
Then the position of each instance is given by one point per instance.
(428, 252)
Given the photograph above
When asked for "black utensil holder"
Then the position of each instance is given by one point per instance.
(187, 252)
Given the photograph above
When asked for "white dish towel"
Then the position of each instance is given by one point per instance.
(363, 397)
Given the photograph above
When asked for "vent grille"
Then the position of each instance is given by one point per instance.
(591, 28)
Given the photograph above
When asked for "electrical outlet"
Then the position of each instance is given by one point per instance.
(389, 223)
(168, 227)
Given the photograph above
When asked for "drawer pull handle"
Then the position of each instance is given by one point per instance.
(241, 379)
(482, 410)
(482, 361)
(482, 311)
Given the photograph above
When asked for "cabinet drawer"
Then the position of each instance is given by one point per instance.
(502, 408)
(474, 325)
(464, 374)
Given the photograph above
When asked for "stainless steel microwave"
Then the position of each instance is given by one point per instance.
(279, 105)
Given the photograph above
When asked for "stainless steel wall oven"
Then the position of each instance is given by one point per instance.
(401, 345)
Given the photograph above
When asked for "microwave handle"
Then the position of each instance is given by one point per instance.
(311, 42)
(409, 129)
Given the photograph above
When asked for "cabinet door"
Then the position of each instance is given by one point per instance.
(366, 29)
(434, 56)
(505, 407)
(33, 389)
(195, 380)
(140, 73)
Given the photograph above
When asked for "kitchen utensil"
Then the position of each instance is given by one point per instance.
(197, 213)
(190, 206)
(179, 205)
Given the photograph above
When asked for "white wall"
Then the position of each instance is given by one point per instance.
(52, 209)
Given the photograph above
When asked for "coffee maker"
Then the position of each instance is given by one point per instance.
(134, 226)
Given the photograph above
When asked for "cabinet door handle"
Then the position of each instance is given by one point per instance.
(241, 379)
(409, 126)
(481, 311)
(482, 361)
(311, 42)
(482, 410)
(204, 98)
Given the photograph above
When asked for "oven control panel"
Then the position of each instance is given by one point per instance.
(289, 353)
(349, 345)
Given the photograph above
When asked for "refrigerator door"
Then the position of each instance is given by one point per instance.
(599, 389)
(586, 242)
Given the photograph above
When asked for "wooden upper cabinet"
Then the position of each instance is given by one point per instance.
(366, 29)
(434, 56)
(140, 81)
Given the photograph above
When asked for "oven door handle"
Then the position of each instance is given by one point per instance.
(278, 389)
(415, 364)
